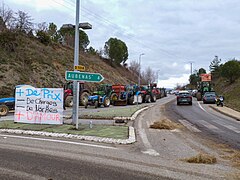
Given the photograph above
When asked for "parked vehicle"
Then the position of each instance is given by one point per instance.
(68, 94)
(148, 94)
(184, 97)
(209, 97)
(119, 95)
(134, 94)
(100, 97)
(6, 104)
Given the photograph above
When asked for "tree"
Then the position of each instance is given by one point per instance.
(68, 35)
(116, 50)
(201, 71)
(23, 22)
(6, 16)
(231, 70)
(215, 67)
(149, 76)
(134, 67)
(53, 32)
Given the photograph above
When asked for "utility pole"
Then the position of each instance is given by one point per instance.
(76, 62)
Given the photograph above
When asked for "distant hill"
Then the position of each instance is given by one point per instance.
(24, 60)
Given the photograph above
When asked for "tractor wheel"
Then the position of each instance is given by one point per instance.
(113, 97)
(3, 110)
(148, 99)
(69, 101)
(130, 100)
(84, 98)
(96, 104)
(153, 98)
(106, 102)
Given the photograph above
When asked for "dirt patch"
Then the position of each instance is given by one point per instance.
(202, 159)
(165, 124)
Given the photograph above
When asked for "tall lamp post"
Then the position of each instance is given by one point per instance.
(76, 61)
(139, 68)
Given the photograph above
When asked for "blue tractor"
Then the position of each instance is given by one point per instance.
(100, 97)
(6, 104)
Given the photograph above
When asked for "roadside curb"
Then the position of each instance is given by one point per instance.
(225, 113)
(131, 132)
(130, 140)
(133, 117)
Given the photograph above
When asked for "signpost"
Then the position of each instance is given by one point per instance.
(79, 68)
(83, 76)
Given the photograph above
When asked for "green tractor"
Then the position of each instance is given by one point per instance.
(100, 97)
(203, 86)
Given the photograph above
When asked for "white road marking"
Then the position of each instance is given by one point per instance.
(188, 125)
(59, 141)
(232, 128)
(201, 107)
(208, 125)
(145, 140)
(151, 152)
(237, 130)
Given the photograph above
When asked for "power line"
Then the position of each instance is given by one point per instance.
(105, 22)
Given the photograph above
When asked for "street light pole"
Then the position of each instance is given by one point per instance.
(76, 61)
(139, 69)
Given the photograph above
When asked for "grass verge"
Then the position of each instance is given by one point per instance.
(107, 131)
(202, 159)
(110, 113)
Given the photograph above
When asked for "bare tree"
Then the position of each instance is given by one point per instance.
(149, 76)
(23, 22)
(6, 15)
(134, 67)
(43, 26)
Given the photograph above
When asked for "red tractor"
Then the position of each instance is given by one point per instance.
(68, 94)
(147, 94)
(155, 90)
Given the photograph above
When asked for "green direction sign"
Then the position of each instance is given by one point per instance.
(83, 76)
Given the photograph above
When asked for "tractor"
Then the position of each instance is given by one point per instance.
(134, 94)
(202, 88)
(119, 95)
(100, 97)
(155, 90)
(204, 85)
(6, 104)
(68, 94)
(148, 94)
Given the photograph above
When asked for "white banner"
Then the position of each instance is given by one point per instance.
(38, 105)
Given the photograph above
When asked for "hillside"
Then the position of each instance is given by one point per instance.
(24, 60)
(231, 92)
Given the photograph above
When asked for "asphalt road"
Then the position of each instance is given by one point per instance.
(206, 122)
(156, 155)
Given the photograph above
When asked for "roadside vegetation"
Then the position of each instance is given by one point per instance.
(39, 53)
(202, 159)
(165, 124)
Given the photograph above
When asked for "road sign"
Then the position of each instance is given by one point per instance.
(79, 68)
(83, 76)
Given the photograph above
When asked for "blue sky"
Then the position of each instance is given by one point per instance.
(171, 34)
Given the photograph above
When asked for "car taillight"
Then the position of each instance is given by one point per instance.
(178, 97)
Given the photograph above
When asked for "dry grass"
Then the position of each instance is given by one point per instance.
(202, 159)
(164, 124)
